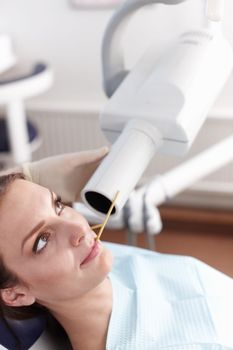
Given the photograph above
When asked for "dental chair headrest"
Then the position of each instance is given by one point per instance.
(21, 334)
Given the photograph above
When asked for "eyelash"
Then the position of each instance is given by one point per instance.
(45, 236)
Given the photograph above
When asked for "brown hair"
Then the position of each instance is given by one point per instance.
(8, 278)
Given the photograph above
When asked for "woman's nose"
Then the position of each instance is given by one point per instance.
(76, 237)
(73, 231)
(76, 233)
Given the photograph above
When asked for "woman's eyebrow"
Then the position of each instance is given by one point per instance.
(32, 232)
(53, 199)
(37, 227)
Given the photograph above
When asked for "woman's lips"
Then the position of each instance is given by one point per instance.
(93, 253)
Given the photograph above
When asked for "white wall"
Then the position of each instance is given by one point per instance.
(70, 40)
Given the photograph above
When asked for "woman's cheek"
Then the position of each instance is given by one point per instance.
(53, 270)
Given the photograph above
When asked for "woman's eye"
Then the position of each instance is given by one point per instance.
(41, 242)
(59, 205)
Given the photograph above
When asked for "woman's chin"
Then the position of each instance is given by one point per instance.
(106, 260)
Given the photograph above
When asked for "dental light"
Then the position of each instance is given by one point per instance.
(160, 105)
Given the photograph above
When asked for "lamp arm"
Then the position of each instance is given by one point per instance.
(215, 10)
(168, 185)
(113, 68)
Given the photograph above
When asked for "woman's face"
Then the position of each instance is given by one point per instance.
(51, 248)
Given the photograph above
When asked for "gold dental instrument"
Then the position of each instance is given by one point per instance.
(102, 226)
(94, 227)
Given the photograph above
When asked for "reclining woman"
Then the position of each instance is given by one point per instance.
(145, 301)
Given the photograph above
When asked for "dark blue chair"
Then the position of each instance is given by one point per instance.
(15, 87)
(4, 140)
(38, 332)
(34, 138)
(21, 334)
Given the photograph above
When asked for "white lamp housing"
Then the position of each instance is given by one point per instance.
(172, 94)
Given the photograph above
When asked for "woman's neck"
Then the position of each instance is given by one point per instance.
(86, 320)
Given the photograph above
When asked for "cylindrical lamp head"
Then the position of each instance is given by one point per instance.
(122, 167)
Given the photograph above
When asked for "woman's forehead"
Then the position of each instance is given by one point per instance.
(21, 190)
(21, 206)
